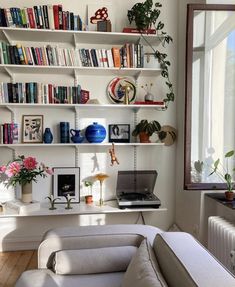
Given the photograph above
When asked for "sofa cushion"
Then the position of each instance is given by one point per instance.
(143, 269)
(95, 260)
(186, 263)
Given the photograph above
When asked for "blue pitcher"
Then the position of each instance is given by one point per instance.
(75, 136)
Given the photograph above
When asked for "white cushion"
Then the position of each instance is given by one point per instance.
(143, 270)
(91, 261)
(186, 263)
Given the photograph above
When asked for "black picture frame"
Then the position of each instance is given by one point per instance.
(119, 133)
(66, 180)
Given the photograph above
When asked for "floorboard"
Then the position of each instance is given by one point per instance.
(12, 264)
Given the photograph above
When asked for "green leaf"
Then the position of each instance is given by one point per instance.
(229, 153)
(216, 163)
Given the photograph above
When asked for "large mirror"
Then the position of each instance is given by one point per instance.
(210, 91)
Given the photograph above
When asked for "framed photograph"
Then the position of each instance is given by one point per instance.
(32, 129)
(119, 133)
(66, 181)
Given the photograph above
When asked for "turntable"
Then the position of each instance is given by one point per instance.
(135, 189)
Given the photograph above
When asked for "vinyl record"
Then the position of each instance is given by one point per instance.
(117, 87)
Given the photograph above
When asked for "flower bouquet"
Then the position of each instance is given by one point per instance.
(23, 170)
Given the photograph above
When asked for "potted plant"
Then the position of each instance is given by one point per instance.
(145, 15)
(145, 129)
(222, 171)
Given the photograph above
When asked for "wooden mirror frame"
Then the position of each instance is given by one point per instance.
(188, 184)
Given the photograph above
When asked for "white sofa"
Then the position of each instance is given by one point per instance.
(122, 256)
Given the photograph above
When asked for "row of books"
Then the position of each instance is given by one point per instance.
(39, 93)
(9, 133)
(128, 56)
(40, 17)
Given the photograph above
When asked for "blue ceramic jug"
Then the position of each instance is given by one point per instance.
(95, 133)
(75, 136)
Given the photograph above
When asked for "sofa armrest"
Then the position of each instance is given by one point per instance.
(185, 262)
(84, 237)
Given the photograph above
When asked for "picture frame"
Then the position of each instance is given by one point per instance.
(66, 180)
(32, 129)
(119, 133)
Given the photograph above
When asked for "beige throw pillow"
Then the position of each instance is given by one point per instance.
(143, 271)
(96, 260)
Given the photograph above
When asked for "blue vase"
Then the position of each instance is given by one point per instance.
(47, 136)
(95, 133)
(64, 132)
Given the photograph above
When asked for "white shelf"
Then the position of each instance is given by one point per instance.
(76, 145)
(82, 106)
(86, 71)
(78, 209)
(81, 37)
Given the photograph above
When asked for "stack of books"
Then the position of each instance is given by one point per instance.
(9, 133)
(40, 17)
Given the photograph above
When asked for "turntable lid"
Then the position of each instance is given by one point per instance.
(141, 181)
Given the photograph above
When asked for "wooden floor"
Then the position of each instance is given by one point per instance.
(12, 264)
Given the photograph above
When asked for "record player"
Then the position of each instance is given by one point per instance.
(135, 189)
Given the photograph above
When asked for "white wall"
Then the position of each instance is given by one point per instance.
(16, 232)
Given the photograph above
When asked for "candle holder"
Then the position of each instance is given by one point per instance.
(68, 201)
(52, 201)
(101, 177)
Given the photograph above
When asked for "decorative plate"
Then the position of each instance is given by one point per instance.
(117, 87)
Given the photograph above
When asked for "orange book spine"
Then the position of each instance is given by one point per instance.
(116, 57)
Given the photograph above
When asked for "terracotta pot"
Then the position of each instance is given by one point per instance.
(229, 195)
(88, 199)
(144, 138)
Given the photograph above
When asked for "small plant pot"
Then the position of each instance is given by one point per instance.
(144, 138)
(229, 195)
(88, 199)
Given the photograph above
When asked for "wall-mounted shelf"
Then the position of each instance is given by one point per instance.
(84, 71)
(12, 146)
(81, 106)
(78, 209)
(84, 37)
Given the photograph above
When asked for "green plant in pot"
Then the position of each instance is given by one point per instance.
(224, 172)
(145, 15)
(145, 129)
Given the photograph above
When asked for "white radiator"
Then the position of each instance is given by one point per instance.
(221, 240)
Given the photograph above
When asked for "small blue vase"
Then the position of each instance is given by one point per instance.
(95, 133)
(47, 136)
(64, 132)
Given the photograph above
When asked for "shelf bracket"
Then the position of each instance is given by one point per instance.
(74, 41)
(137, 75)
(76, 119)
(12, 113)
(76, 155)
(10, 74)
(75, 76)
(7, 37)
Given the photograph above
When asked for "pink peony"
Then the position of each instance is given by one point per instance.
(13, 169)
(3, 168)
(49, 171)
(30, 163)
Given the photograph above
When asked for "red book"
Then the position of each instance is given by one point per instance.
(134, 30)
(149, 103)
(50, 87)
(56, 16)
(31, 17)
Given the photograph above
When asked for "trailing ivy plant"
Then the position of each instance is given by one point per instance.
(145, 16)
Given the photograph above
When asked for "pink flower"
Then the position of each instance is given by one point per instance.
(13, 169)
(3, 168)
(49, 171)
(30, 163)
